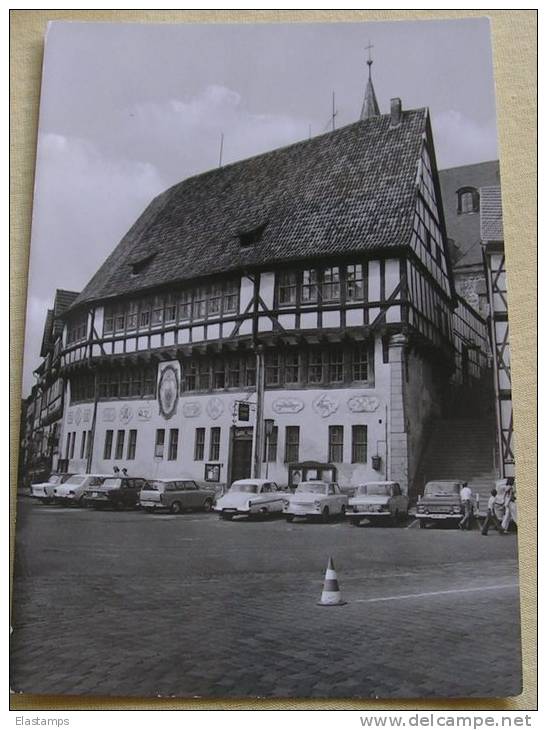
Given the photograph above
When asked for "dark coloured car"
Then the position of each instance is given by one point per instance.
(440, 502)
(176, 495)
(117, 492)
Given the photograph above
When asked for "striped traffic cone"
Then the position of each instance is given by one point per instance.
(331, 595)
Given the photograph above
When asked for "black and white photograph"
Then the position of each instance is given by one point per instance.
(266, 445)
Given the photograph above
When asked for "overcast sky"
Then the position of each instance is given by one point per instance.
(128, 110)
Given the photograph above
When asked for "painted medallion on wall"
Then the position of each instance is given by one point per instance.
(325, 405)
(363, 403)
(144, 413)
(215, 408)
(287, 405)
(87, 415)
(191, 409)
(126, 414)
(168, 392)
(109, 414)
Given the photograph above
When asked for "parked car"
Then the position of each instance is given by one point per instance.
(381, 502)
(117, 492)
(250, 497)
(176, 495)
(44, 490)
(440, 502)
(315, 499)
(72, 491)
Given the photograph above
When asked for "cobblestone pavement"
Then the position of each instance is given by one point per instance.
(129, 604)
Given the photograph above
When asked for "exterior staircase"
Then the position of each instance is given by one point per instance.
(460, 449)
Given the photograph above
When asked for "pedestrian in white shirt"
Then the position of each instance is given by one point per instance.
(466, 498)
(491, 517)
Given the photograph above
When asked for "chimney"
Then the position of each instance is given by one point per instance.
(396, 112)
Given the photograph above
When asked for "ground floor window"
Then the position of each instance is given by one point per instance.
(82, 444)
(292, 443)
(199, 444)
(336, 444)
(120, 439)
(358, 444)
(132, 444)
(160, 443)
(108, 437)
(173, 444)
(214, 445)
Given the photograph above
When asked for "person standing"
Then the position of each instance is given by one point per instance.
(491, 517)
(466, 497)
(510, 509)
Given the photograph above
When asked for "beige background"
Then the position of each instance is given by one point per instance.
(514, 41)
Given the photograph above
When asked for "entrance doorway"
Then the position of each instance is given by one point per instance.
(242, 453)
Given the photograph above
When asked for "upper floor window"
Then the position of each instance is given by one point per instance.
(354, 283)
(468, 200)
(315, 286)
(200, 302)
(77, 329)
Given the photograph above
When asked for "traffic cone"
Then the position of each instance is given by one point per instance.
(331, 595)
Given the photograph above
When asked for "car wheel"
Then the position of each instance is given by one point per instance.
(355, 521)
(422, 524)
(149, 510)
(395, 518)
(343, 510)
(208, 505)
(325, 514)
(225, 517)
(289, 518)
(176, 508)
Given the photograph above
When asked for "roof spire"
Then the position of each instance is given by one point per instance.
(370, 106)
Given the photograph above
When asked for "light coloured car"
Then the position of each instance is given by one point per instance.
(44, 490)
(72, 491)
(251, 497)
(176, 495)
(315, 499)
(380, 502)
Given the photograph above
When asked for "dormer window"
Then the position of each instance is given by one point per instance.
(138, 265)
(251, 237)
(468, 200)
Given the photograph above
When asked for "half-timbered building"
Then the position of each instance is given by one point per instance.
(44, 407)
(293, 314)
(492, 240)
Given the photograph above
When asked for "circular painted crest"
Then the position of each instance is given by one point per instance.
(168, 391)
(215, 408)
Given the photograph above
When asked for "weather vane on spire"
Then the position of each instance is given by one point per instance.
(370, 106)
(369, 60)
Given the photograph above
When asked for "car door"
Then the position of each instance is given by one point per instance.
(190, 494)
(276, 496)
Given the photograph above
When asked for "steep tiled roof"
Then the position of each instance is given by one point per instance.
(491, 216)
(464, 229)
(346, 191)
(63, 301)
(47, 338)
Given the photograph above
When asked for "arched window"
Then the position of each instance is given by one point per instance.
(468, 200)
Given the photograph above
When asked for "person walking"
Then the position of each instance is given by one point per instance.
(466, 498)
(491, 517)
(116, 471)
